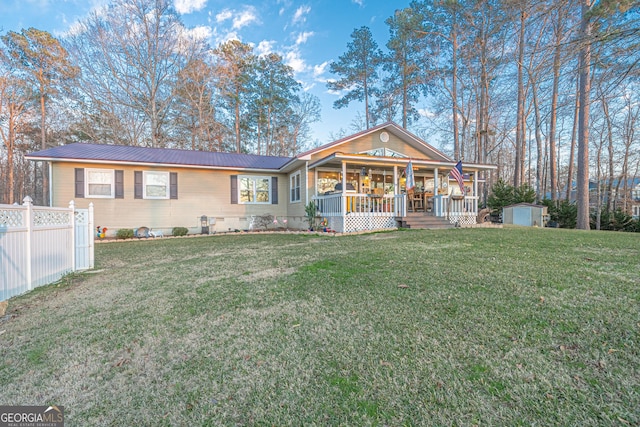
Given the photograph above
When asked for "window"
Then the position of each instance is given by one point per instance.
(327, 181)
(295, 187)
(636, 212)
(99, 183)
(254, 189)
(156, 185)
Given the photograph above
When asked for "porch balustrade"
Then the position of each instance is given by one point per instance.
(353, 212)
(361, 205)
(458, 209)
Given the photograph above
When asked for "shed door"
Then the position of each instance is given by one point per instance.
(522, 216)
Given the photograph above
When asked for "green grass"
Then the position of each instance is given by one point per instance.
(454, 328)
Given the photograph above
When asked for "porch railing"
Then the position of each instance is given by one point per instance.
(361, 205)
(448, 206)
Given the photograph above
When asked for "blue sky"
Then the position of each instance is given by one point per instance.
(307, 34)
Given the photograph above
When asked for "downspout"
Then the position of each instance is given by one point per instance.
(306, 190)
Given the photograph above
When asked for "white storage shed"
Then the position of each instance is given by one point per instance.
(526, 214)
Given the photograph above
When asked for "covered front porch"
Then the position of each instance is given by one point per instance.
(362, 192)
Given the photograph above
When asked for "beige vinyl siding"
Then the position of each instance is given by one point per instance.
(370, 142)
(296, 209)
(200, 192)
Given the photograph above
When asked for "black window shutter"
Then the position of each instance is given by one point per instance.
(234, 189)
(137, 184)
(173, 185)
(119, 184)
(274, 190)
(79, 177)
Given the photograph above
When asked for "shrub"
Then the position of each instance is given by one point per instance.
(124, 233)
(504, 194)
(567, 214)
(616, 220)
(179, 231)
(311, 211)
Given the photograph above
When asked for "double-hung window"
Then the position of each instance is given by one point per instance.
(99, 183)
(156, 185)
(295, 187)
(254, 189)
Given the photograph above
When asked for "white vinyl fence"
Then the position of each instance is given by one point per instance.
(38, 245)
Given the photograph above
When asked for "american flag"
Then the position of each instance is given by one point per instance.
(456, 173)
(411, 182)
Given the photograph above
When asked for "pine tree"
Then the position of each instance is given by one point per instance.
(358, 68)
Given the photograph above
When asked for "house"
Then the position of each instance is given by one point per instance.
(526, 214)
(635, 199)
(132, 187)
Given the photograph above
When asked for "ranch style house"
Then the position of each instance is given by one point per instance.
(356, 183)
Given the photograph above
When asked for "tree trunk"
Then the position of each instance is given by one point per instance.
(607, 117)
(454, 87)
(520, 132)
(553, 167)
(574, 133)
(584, 66)
(45, 165)
(538, 135)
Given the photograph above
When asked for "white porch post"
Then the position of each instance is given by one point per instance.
(436, 184)
(475, 183)
(396, 189)
(343, 199)
(315, 181)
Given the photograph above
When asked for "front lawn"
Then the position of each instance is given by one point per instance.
(465, 327)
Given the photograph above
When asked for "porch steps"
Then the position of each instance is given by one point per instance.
(420, 220)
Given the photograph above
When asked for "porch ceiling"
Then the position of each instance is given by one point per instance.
(363, 160)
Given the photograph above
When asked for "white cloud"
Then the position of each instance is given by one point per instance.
(238, 18)
(245, 18)
(224, 15)
(295, 61)
(318, 70)
(304, 36)
(265, 47)
(358, 2)
(188, 6)
(200, 33)
(300, 14)
(222, 37)
(229, 36)
(307, 86)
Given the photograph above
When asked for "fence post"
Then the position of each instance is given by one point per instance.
(91, 238)
(72, 209)
(27, 202)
